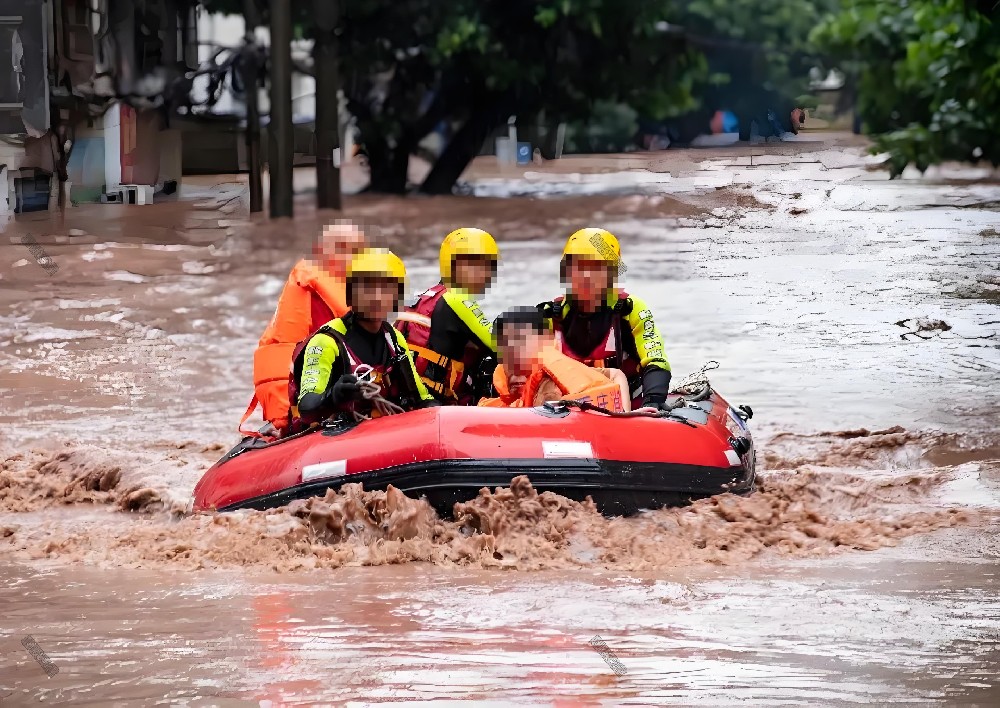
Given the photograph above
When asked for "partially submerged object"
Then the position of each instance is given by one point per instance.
(624, 462)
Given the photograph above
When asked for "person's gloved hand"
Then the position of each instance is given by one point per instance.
(650, 405)
(347, 389)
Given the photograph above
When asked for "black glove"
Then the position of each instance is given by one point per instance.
(655, 385)
(432, 403)
(346, 389)
(482, 380)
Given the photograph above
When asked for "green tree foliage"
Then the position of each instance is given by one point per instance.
(407, 65)
(758, 54)
(764, 42)
(556, 56)
(610, 127)
(928, 76)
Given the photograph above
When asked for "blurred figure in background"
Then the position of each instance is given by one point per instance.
(313, 295)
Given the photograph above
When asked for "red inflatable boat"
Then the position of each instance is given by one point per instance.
(448, 454)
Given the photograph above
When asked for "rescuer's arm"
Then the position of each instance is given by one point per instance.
(316, 390)
(650, 349)
(471, 315)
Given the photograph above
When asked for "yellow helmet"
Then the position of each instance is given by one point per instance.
(595, 245)
(466, 242)
(377, 262)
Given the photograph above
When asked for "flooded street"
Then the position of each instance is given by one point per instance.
(859, 317)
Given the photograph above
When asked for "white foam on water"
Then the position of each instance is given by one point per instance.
(87, 304)
(125, 276)
(48, 334)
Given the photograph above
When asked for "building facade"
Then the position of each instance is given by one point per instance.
(86, 111)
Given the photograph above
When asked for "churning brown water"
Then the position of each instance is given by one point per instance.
(859, 317)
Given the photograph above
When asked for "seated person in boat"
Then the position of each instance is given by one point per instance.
(329, 368)
(602, 326)
(532, 370)
(445, 328)
(312, 296)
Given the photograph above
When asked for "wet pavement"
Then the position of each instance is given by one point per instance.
(859, 317)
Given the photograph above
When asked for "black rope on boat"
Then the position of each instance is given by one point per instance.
(666, 412)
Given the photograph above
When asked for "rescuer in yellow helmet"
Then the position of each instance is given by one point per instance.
(446, 329)
(602, 326)
(327, 366)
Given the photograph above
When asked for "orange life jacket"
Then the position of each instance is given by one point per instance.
(292, 322)
(576, 381)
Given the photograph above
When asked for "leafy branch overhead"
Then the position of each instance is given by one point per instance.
(926, 71)
(927, 74)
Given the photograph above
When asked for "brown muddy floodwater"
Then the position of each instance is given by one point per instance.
(859, 317)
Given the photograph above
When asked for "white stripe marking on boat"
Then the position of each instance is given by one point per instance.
(733, 458)
(334, 468)
(567, 448)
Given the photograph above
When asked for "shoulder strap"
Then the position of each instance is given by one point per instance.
(392, 337)
(624, 306)
(552, 309)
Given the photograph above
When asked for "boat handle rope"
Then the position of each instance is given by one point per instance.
(666, 412)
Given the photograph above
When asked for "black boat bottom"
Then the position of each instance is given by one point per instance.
(617, 488)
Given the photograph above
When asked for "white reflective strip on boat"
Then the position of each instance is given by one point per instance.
(334, 468)
(414, 317)
(567, 449)
(733, 458)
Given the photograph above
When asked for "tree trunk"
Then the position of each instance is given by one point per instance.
(387, 167)
(550, 146)
(328, 195)
(462, 149)
(251, 80)
(280, 154)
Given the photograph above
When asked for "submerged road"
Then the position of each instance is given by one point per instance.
(859, 317)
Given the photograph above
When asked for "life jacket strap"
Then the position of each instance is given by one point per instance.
(453, 370)
(250, 409)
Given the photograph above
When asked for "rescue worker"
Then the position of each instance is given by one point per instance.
(328, 366)
(312, 296)
(445, 328)
(532, 370)
(602, 326)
